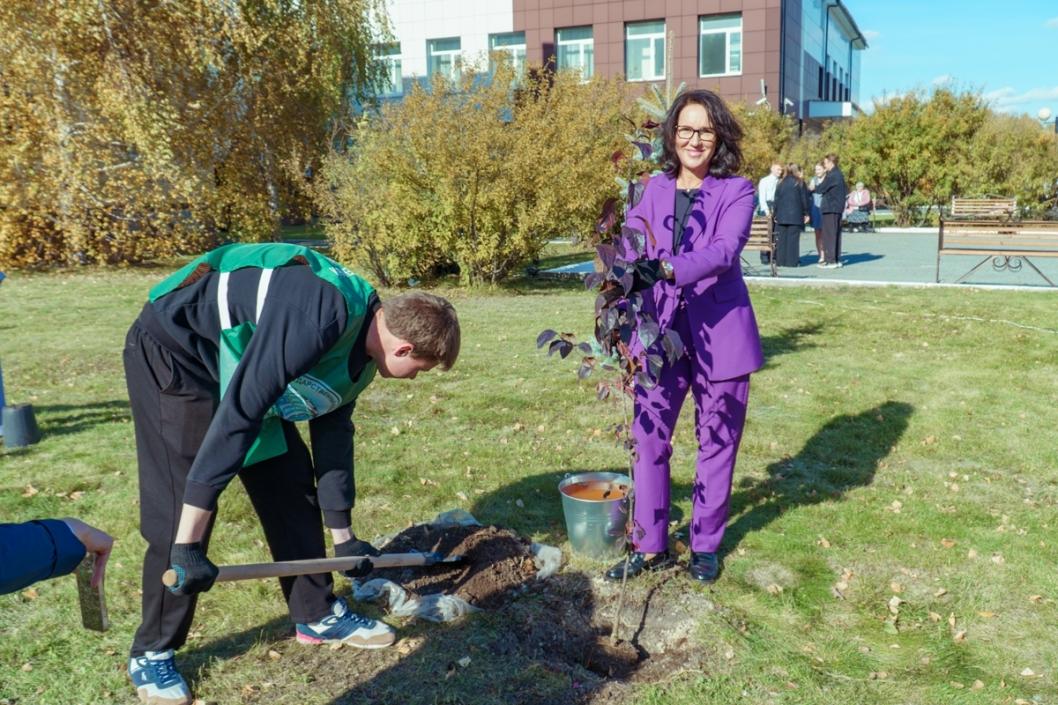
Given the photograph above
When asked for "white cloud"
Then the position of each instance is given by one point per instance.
(943, 79)
(870, 34)
(1007, 99)
(1051, 23)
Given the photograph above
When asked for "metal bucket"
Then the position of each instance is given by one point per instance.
(20, 426)
(596, 527)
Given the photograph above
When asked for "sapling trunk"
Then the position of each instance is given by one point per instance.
(629, 525)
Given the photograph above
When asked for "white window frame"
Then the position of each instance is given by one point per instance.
(391, 59)
(455, 54)
(729, 32)
(516, 52)
(657, 42)
(579, 47)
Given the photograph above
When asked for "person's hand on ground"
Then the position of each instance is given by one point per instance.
(95, 541)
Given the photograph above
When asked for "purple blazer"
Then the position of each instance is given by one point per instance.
(707, 268)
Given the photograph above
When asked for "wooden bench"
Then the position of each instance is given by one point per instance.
(986, 208)
(1007, 244)
(762, 239)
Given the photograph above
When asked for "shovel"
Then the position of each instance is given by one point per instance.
(311, 566)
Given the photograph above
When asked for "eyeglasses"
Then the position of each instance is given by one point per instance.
(705, 134)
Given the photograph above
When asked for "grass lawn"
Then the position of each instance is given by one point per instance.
(892, 537)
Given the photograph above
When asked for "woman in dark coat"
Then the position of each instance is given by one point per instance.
(792, 207)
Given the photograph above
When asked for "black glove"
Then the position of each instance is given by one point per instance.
(356, 547)
(194, 572)
(646, 273)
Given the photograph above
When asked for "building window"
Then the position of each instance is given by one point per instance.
(576, 50)
(442, 57)
(645, 51)
(512, 44)
(720, 45)
(389, 56)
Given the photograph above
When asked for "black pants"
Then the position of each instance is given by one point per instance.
(832, 237)
(788, 245)
(173, 399)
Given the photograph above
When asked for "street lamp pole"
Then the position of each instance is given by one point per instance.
(1045, 118)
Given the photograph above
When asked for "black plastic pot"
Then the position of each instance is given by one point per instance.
(20, 426)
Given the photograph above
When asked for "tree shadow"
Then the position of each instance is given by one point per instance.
(66, 419)
(841, 456)
(790, 340)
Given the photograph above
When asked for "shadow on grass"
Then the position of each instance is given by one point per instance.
(789, 340)
(842, 456)
(65, 419)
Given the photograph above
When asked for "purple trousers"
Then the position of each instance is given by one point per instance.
(720, 414)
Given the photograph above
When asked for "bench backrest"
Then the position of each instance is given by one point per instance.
(761, 235)
(1039, 235)
(990, 208)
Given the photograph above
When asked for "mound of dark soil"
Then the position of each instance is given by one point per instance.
(497, 563)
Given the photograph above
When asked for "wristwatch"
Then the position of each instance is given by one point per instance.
(666, 270)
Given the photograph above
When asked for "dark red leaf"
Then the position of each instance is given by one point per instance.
(545, 336)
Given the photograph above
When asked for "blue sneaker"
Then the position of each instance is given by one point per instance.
(156, 679)
(347, 627)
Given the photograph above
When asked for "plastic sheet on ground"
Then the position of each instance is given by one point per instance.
(444, 608)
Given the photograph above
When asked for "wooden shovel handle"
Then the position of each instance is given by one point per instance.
(311, 566)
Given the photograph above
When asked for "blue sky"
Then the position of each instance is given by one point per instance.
(1007, 49)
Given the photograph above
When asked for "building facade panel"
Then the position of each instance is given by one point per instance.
(806, 52)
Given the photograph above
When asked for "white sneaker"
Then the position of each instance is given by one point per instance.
(156, 679)
(347, 627)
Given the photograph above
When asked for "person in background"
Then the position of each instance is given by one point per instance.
(791, 214)
(833, 191)
(47, 548)
(691, 282)
(816, 216)
(766, 190)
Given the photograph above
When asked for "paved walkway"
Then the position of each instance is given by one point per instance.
(888, 257)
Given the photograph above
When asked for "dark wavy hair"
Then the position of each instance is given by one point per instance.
(727, 155)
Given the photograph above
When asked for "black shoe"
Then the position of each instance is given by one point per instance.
(638, 563)
(704, 567)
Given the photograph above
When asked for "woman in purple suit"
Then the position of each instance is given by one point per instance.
(697, 216)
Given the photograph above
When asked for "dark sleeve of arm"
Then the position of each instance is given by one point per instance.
(332, 454)
(806, 200)
(36, 550)
(286, 344)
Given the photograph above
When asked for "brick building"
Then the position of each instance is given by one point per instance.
(802, 56)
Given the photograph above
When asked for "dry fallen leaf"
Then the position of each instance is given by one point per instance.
(823, 542)
(896, 587)
(971, 554)
(956, 684)
(30, 491)
(27, 667)
(274, 655)
(896, 506)
(894, 604)
(998, 559)
(462, 496)
(1025, 672)
(774, 589)
(934, 617)
(929, 440)
(940, 592)
(30, 594)
(987, 614)
(1036, 598)
(978, 684)
(959, 635)
(76, 495)
(947, 543)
